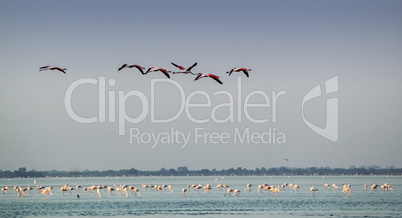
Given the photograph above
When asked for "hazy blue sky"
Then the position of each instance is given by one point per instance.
(290, 46)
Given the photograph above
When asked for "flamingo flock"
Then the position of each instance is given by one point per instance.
(165, 72)
(184, 70)
(127, 190)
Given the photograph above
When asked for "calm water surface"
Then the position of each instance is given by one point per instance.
(252, 204)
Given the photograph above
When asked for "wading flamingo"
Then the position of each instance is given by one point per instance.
(236, 192)
(374, 186)
(228, 191)
(183, 192)
(4, 189)
(207, 188)
(248, 188)
(313, 189)
(346, 189)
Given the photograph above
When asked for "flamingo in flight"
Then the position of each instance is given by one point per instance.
(53, 68)
(141, 69)
(185, 70)
(154, 69)
(244, 70)
(201, 75)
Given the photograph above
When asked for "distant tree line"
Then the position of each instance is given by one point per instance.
(184, 171)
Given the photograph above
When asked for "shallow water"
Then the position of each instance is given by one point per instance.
(286, 203)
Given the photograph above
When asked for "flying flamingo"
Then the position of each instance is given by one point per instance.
(244, 70)
(53, 68)
(141, 69)
(185, 70)
(154, 69)
(201, 75)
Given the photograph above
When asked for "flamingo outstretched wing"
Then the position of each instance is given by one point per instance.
(216, 78)
(44, 67)
(245, 71)
(59, 69)
(122, 67)
(189, 69)
(139, 68)
(178, 66)
(164, 72)
(199, 76)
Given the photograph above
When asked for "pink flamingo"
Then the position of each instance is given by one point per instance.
(141, 69)
(53, 68)
(201, 75)
(185, 70)
(154, 69)
(244, 70)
